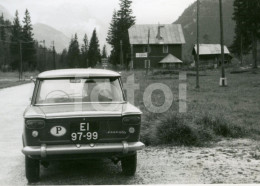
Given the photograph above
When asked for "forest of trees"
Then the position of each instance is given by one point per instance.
(88, 55)
(19, 50)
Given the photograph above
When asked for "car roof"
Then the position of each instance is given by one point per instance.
(87, 72)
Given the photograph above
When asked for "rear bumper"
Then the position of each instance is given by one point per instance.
(45, 150)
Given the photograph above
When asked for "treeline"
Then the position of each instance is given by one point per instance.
(84, 56)
(20, 51)
(17, 44)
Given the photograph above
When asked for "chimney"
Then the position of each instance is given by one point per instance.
(159, 37)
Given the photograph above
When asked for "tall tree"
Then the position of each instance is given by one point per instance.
(28, 46)
(2, 42)
(104, 52)
(63, 63)
(84, 52)
(118, 31)
(16, 37)
(112, 39)
(2, 29)
(126, 20)
(94, 50)
(74, 53)
(247, 30)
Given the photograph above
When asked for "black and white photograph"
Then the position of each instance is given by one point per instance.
(129, 92)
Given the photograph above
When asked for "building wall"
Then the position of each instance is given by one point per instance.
(155, 56)
(212, 59)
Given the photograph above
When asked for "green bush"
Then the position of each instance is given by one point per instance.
(173, 130)
(187, 129)
(219, 125)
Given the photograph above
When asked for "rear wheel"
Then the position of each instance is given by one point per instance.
(32, 169)
(129, 165)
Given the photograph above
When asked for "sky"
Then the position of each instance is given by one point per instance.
(82, 16)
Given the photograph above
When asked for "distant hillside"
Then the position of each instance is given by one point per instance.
(43, 32)
(49, 34)
(6, 13)
(209, 24)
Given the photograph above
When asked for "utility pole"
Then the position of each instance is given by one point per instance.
(44, 52)
(54, 55)
(223, 79)
(21, 61)
(121, 54)
(148, 46)
(241, 49)
(198, 47)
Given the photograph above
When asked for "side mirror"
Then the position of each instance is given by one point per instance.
(33, 80)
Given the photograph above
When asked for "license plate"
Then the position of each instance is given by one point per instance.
(84, 131)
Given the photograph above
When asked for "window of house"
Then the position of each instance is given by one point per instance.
(146, 49)
(147, 64)
(165, 49)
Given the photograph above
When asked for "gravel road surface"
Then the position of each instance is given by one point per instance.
(229, 161)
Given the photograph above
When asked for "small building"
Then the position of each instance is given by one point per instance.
(210, 54)
(156, 46)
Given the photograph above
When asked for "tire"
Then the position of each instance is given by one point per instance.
(32, 169)
(129, 165)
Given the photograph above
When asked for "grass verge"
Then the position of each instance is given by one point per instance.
(213, 112)
(6, 84)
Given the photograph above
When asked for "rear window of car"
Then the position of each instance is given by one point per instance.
(79, 90)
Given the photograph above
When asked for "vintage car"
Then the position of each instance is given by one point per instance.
(78, 114)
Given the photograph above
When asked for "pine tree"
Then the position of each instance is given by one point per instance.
(112, 32)
(74, 53)
(94, 50)
(63, 63)
(118, 31)
(2, 29)
(29, 50)
(2, 42)
(84, 52)
(16, 37)
(247, 30)
(104, 52)
(112, 39)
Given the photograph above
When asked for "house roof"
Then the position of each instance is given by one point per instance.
(170, 59)
(88, 72)
(170, 34)
(211, 49)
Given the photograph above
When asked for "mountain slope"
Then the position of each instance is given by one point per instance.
(209, 24)
(49, 34)
(6, 13)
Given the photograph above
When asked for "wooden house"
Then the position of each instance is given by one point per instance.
(156, 46)
(210, 54)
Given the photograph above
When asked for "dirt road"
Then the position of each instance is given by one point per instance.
(236, 161)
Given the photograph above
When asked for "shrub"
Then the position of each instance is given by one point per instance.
(187, 129)
(219, 125)
(172, 129)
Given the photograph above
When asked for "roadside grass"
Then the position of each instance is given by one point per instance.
(6, 84)
(10, 79)
(213, 112)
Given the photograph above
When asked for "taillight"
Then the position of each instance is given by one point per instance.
(131, 120)
(34, 124)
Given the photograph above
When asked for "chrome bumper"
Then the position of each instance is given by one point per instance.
(45, 150)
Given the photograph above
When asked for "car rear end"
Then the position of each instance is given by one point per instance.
(100, 135)
(63, 121)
